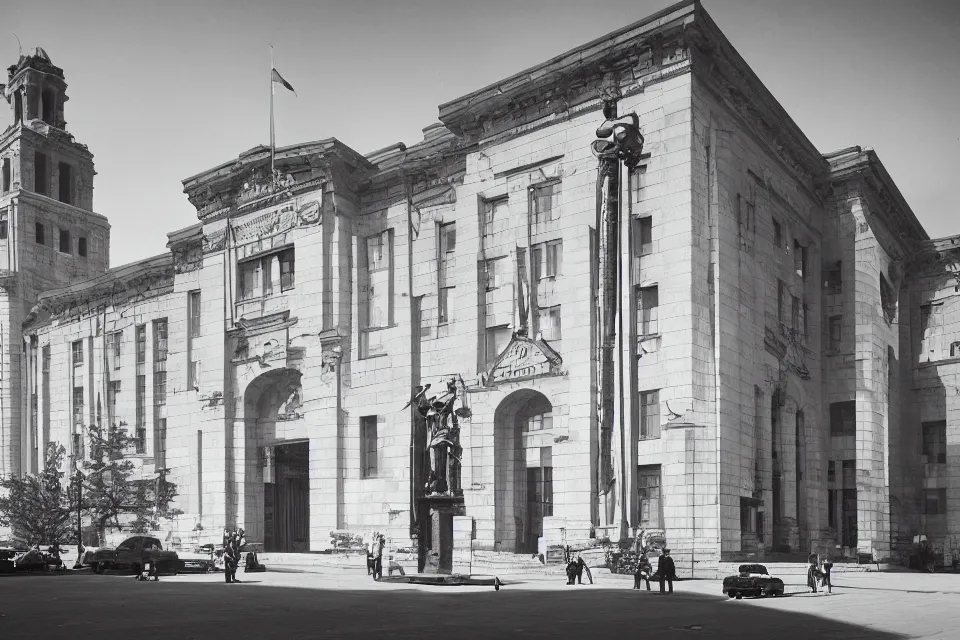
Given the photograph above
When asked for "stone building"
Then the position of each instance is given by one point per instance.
(778, 304)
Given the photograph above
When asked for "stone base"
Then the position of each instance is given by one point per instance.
(454, 580)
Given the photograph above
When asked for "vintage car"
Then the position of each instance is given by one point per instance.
(132, 554)
(202, 560)
(8, 560)
(752, 580)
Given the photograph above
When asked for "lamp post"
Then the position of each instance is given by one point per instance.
(78, 478)
(619, 143)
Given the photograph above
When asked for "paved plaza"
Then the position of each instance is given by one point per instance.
(342, 605)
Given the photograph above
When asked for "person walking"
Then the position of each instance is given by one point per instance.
(666, 569)
(231, 555)
(378, 557)
(825, 568)
(644, 569)
(813, 573)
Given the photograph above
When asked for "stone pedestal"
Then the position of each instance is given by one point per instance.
(462, 545)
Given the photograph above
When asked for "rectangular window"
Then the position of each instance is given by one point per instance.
(748, 516)
(648, 304)
(446, 245)
(831, 471)
(76, 351)
(258, 277)
(39, 233)
(935, 502)
(548, 321)
(536, 263)
(141, 343)
(777, 235)
(7, 174)
(193, 308)
(448, 238)
(160, 340)
(159, 388)
(78, 407)
(832, 508)
(141, 414)
(114, 391)
(64, 241)
(649, 510)
(553, 252)
(644, 235)
(800, 259)
(935, 441)
(795, 313)
(287, 276)
(193, 332)
(492, 273)
(3, 229)
(40, 183)
(82, 247)
(539, 422)
(650, 415)
(546, 203)
(160, 446)
(496, 339)
(781, 302)
(843, 418)
(494, 210)
(66, 183)
(836, 332)
(368, 446)
(113, 344)
(833, 278)
(443, 311)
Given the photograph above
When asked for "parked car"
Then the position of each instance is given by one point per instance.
(8, 560)
(132, 555)
(752, 580)
(203, 560)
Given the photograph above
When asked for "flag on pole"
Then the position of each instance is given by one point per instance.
(276, 77)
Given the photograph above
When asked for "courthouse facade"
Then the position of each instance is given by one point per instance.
(787, 359)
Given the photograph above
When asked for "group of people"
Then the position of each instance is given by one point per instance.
(666, 572)
(818, 573)
(232, 543)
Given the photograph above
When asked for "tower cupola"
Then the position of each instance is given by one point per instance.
(36, 90)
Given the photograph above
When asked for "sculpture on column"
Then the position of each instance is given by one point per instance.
(443, 430)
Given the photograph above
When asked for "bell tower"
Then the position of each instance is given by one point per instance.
(50, 238)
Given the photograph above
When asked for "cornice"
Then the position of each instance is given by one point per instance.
(718, 66)
(123, 285)
(863, 167)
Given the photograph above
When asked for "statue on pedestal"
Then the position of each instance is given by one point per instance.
(443, 437)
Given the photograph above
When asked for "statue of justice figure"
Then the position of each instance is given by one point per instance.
(443, 436)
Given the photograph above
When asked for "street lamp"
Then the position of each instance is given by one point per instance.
(78, 478)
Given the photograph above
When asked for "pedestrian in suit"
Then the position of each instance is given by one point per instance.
(666, 569)
(231, 554)
(644, 569)
(378, 557)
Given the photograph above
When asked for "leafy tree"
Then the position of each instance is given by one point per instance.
(113, 489)
(39, 508)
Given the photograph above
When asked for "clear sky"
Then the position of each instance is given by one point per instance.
(163, 90)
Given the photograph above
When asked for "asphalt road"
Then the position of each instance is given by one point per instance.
(289, 606)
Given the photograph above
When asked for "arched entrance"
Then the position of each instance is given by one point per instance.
(523, 479)
(276, 478)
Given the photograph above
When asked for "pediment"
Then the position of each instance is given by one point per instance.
(523, 359)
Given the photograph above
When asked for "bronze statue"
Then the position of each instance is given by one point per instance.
(443, 429)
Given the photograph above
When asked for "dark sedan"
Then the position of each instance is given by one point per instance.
(752, 580)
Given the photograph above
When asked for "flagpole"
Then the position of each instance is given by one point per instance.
(273, 144)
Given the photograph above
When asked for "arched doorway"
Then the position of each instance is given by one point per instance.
(276, 478)
(523, 479)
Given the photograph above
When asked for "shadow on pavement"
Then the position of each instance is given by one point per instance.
(97, 607)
